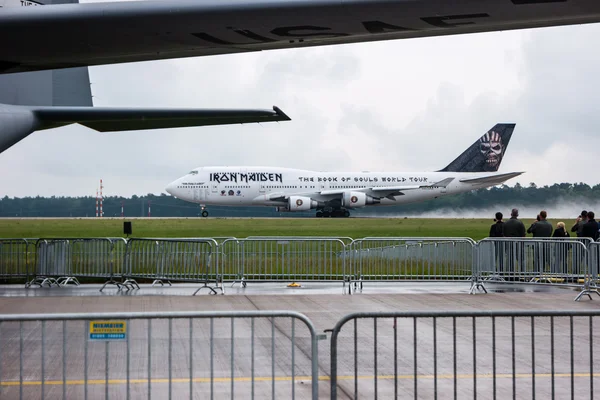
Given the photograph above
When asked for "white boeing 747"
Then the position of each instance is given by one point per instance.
(334, 194)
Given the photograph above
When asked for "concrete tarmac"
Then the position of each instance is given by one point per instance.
(265, 357)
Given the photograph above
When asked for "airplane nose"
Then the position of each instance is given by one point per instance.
(171, 188)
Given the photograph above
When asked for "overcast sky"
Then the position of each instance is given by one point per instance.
(405, 105)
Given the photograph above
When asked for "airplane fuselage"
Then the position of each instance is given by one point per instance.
(335, 193)
(270, 186)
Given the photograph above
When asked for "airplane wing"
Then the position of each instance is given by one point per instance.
(74, 35)
(387, 191)
(106, 119)
(17, 122)
(491, 179)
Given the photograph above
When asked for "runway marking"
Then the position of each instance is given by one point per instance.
(289, 378)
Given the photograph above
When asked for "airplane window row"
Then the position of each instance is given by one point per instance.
(290, 187)
(237, 187)
(192, 187)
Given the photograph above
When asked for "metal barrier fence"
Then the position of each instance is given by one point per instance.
(158, 355)
(16, 258)
(283, 259)
(570, 262)
(63, 261)
(488, 354)
(395, 259)
(182, 260)
(591, 281)
(534, 261)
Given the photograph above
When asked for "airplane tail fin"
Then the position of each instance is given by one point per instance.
(60, 87)
(485, 155)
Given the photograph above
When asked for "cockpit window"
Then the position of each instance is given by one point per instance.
(193, 172)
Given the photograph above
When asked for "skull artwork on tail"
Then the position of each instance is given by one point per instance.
(492, 149)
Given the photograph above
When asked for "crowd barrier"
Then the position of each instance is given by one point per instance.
(181, 260)
(559, 262)
(256, 354)
(213, 261)
(398, 259)
(487, 354)
(275, 354)
(64, 261)
(283, 259)
(16, 258)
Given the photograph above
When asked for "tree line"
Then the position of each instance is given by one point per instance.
(164, 205)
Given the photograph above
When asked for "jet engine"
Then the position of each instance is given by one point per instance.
(357, 199)
(301, 203)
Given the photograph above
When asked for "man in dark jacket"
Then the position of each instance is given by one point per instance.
(514, 228)
(590, 228)
(541, 229)
(581, 220)
(497, 230)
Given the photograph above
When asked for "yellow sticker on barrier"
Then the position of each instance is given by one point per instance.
(108, 330)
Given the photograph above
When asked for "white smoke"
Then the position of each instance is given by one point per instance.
(567, 209)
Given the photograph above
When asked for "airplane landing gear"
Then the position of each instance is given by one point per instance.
(339, 213)
(204, 211)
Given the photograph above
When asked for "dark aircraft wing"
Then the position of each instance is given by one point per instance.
(17, 122)
(107, 119)
(73, 35)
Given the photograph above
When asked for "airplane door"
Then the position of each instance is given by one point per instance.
(196, 193)
(214, 187)
(262, 188)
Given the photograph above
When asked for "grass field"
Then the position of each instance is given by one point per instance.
(219, 227)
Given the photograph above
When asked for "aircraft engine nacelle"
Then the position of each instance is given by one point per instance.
(358, 199)
(301, 203)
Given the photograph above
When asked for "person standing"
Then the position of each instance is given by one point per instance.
(590, 228)
(581, 220)
(497, 230)
(560, 231)
(515, 228)
(561, 250)
(541, 229)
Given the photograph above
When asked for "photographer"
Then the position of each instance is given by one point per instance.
(541, 228)
(581, 220)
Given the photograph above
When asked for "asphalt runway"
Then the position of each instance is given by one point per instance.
(269, 358)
